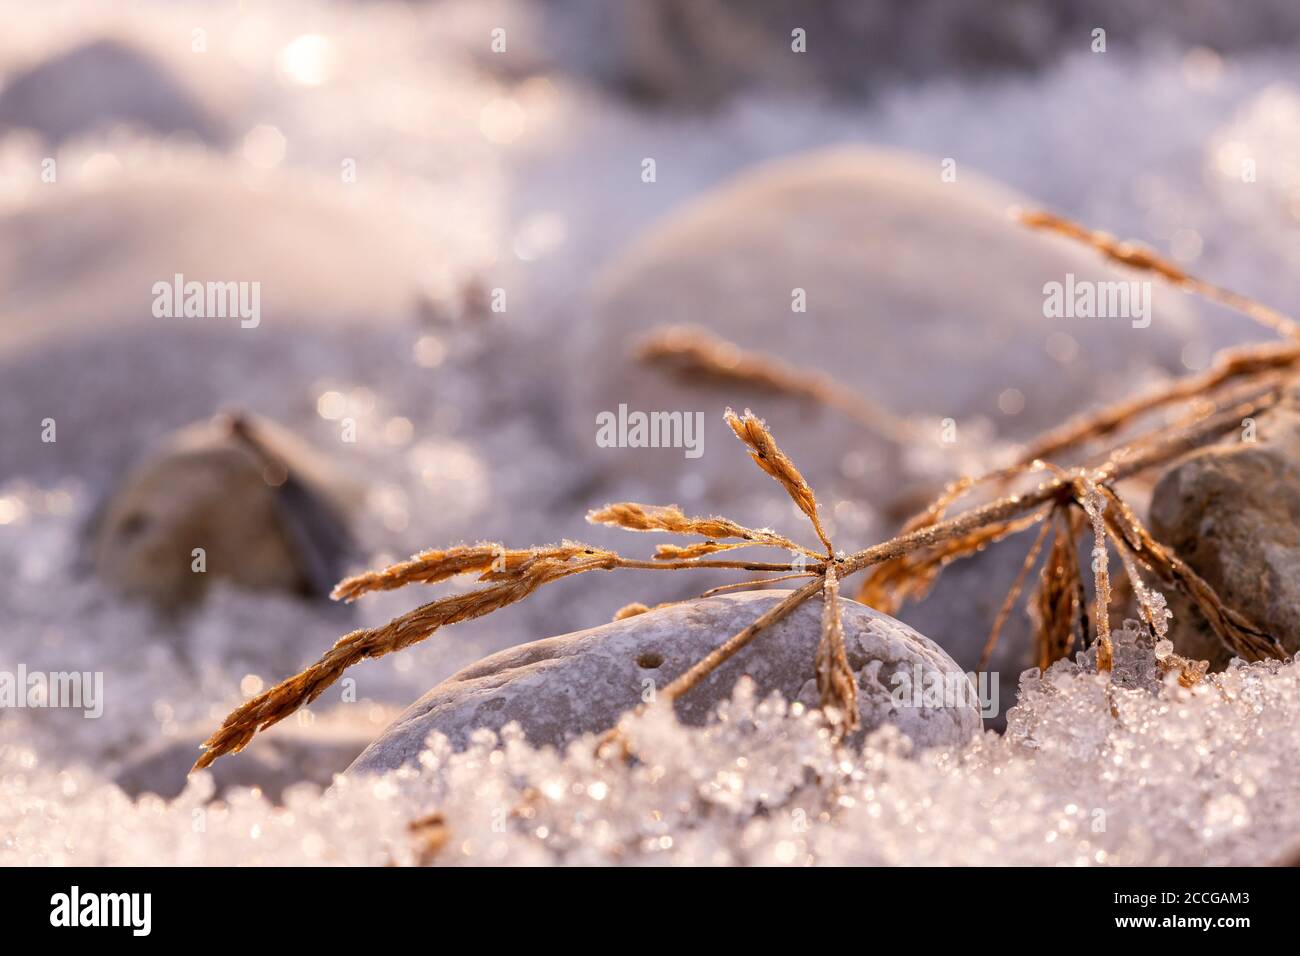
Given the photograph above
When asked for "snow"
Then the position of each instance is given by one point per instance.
(1171, 777)
(524, 180)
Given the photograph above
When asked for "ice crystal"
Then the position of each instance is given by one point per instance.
(1131, 770)
(1180, 775)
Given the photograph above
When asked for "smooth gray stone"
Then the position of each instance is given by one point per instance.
(686, 53)
(288, 753)
(268, 510)
(921, 295)
(80, 343)
(101, 83)
(560, 688)
(1232, 512)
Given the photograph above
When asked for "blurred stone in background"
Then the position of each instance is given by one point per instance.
(1232, 512)
(80, 341)
(695, 52)
(921, 295)
(294, 751)
(103, 82)
(266, 511)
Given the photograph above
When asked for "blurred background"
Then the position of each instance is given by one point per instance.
(448, 211)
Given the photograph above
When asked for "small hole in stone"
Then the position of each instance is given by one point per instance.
(649, 660)
(133, 524)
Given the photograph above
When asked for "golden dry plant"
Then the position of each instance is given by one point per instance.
(1062, 503)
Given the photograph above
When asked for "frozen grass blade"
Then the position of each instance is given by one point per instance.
(906, 564)
(1242, 637)
(698, 355)
(429, 567)
(1060, 605)
(752, 431)
(720, 655)
(910, 576)
(1145, 259)
(836, 682)
(1248, 363)
(1013, 595)
(669, 518)
(1094, 505)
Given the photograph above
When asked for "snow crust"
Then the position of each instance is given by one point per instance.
(1090, 772)
(526, 180)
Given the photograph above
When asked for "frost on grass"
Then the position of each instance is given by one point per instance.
(1134, 770)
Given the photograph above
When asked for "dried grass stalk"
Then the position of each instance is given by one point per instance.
(545, 565)
(1190, 673)
(516, 573)
(895, 582)
(1247, 363)
(430, 834)
(427, 567)
(1145, 259)
(673, 552)
(752, 431)
(1123, 463)
(909, 577)
(1164, 445)
(669, 518)
(835, 680)
(491, 561)
(272, 706)
(1060, 605)
(758, 583)
(1151, 604)
(1240, 635)
(1130, 254)
(630, 610)
(720, 655)
(698, 355)
(1094, 506)
(1013, 595)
